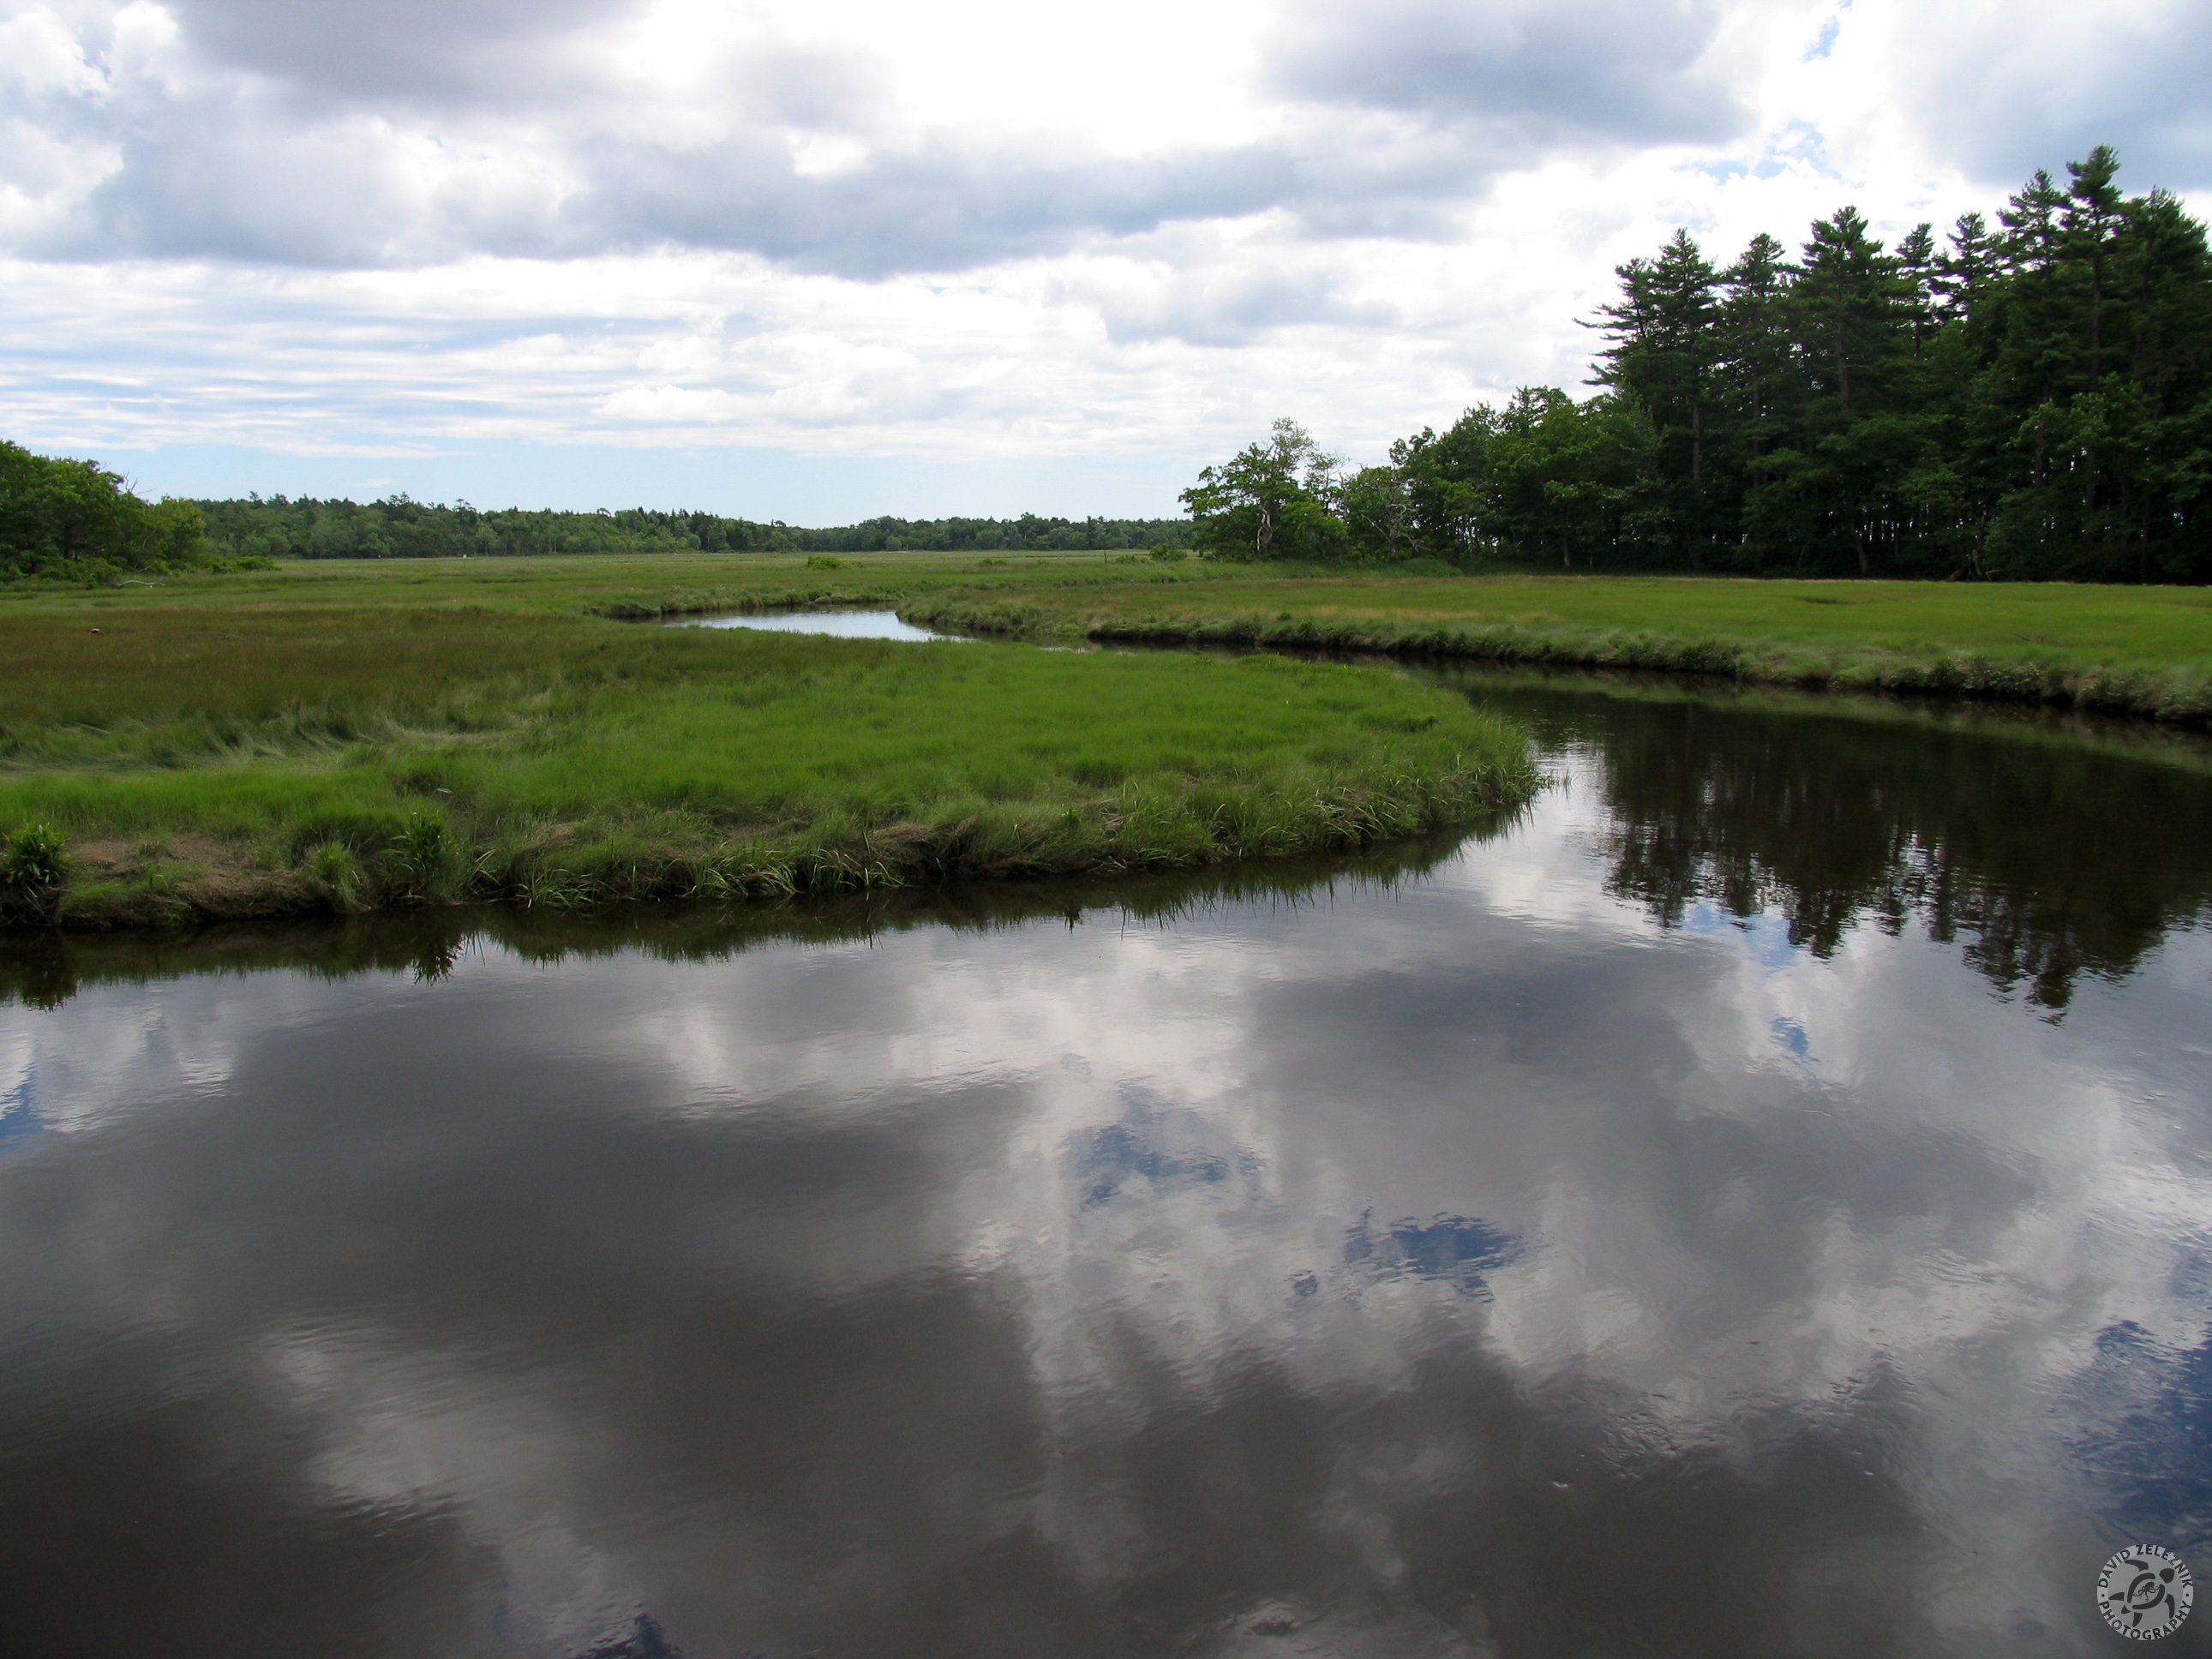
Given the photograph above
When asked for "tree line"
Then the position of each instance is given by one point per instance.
(2031, 400)
(401, 527)
(75, 520)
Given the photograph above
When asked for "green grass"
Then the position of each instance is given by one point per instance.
(1897, 635)
(350, 735)
(362, 738)
(625, 584)
(2143, 651)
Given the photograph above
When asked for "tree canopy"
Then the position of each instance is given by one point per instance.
(1278, 499)
(2030, 401)
(76, 519)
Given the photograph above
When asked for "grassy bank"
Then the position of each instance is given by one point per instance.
(43, 968)
(346, 744)
(2145, 651)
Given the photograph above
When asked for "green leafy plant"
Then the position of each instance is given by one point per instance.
(33, 867)
(337, 875)
(419, 859)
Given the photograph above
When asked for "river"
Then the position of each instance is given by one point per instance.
(1758, 1200)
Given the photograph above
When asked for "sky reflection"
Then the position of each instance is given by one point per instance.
(843, 625)
(1481, 1263)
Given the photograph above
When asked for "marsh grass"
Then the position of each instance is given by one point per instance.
(291, 726)
(2145, 651)
(354, 758)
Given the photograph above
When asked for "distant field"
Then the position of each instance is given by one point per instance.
(570, 584)
(2071, 626)
(366, 735)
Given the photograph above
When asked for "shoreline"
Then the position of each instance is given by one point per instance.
(2138, 695)
(44, 966)
(206, 880)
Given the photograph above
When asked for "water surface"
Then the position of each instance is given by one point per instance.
(844, 624)
(1756, 1202)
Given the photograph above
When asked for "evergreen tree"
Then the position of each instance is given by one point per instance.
(1761, 386)
(1665, 342)
(2032, 402)
(1851, 304)
(1968, 270)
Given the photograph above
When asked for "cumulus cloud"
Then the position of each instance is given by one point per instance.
(413, 50)
(2005, 90)
(1225, 306)
(350, 135)
(994, 231)
(1619, 70)
(936, 208)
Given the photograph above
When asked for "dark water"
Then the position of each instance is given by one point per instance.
(1760, 1203)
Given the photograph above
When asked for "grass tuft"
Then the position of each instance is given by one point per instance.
(33, 866)
(419, 862)
(337, 876)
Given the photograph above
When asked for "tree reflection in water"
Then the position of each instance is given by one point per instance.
(1457, 1253)
(2047, 854)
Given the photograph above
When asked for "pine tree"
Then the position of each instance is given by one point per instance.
(2035, 401)
(1966, 274)
(1849, 304)
(1760, 388)
(1665, 344)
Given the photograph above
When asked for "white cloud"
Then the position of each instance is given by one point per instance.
(1695, 1195)
(979, 234)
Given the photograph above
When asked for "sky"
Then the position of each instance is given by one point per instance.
(810, 263)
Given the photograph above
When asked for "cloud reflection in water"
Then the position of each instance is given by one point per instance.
(1475, 1265)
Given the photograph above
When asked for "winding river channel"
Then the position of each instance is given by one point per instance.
(1757, 1201)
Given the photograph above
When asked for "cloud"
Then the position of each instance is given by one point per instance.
(1623, 70)
(1226, 305)
(943, 207)
(990, 230)
(221, 178)
(413, 50)
(2002, 89)
(411, 134)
